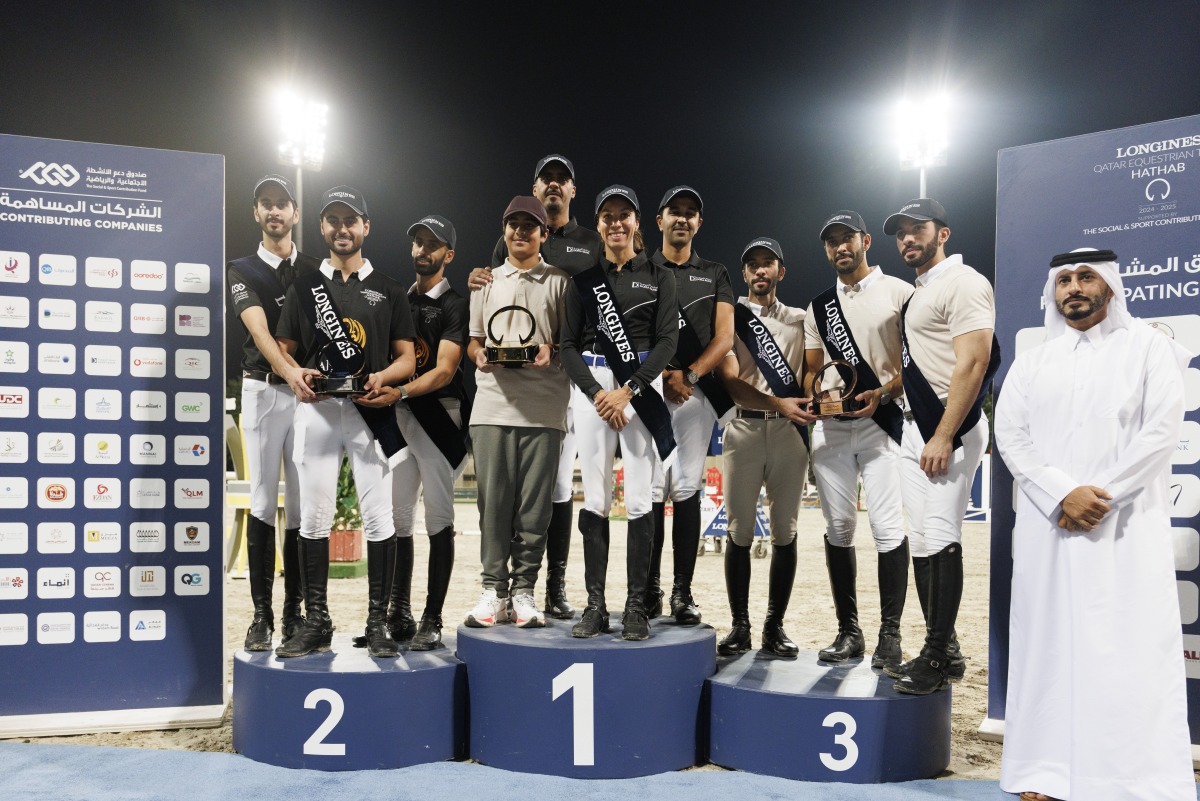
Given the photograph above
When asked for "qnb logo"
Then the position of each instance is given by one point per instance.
(53, 174)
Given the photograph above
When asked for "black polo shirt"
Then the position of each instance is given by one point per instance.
(378, 304)
(244, 294)
(645, 293)
(699, 285)
(571, 249)
(441, 314)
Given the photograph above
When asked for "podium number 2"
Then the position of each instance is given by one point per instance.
(316, 744)
(578, 677)
(845, 739)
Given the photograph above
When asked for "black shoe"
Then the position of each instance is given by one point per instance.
(893, 590)
(428, 636)
(685, 542)
(843, 571)
(400, 622)
(847, 645)
(924, 676)
(684, 609)
(634, 625)
(776, 642)
(737, 641)
(379, 640)
(595, 532)
(956, 663)
(401, 628)
(887, 653)
(313, 637)
(315, 634)
(258, 636)
(558, 548)
(653, 602)
(593, 622)
(291, 623)
(293, 596)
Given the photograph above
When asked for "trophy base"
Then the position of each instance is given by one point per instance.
(511, 355)
(339, 387)
(839, 408)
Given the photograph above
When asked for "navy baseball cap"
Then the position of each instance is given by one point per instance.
(553, 157)
(616, 190)
(348, 195)
(530, 205)
(439, 226)
(851, 219)
(763, 242)
(272, 178)
(683, 189)
(920, 209)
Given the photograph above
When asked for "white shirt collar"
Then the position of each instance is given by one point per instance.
(941, 269)
(536, 272)
(327, 270)
(1094, 335)
(439, 289)
(754, 307)
(866, 282)
(273, 260)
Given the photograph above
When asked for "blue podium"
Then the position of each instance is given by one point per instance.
(814, 721)
(344, 710)
(545, 702)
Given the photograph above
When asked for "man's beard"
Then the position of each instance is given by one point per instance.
(1093, 306)
(927, 252)
(431, 268)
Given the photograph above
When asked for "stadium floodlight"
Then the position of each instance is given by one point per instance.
(922, 132)
(302, 139)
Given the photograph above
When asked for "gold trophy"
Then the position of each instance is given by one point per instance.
(838, 401)
(510, 354)
(341, 383)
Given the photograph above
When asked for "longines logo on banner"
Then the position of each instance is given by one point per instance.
(191, 537)
(14, 539)
(56, 447)
(56, 358)
(191, 407)
(52, 174)
(14, 629)
(102, 360)
(14, 447)
(14, 402)
(56, 537)
(191, 450)
(14, 584)
(56, 314)
(14, 357)
(14, 492)
(191, 493)
(148, 318)
(14, 311)
(192, 278)
(148, 362)
(102, 448)
(147, 493)
(148, 275)
(147, 581)
(192, 321)
(148, 624)
(14, 267)
(56, 492)
(102, 493)
(147, 537)
(102, 404)
(57, 270)
(56, 582)
(102, 315)
(101, 626)
(56, 403)
(56, 628)
(191, 580)
(103, 273)
(102, 537)
(147, 405)
(102, 582)
(147, 449)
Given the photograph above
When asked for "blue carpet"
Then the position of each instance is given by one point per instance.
(30, 772)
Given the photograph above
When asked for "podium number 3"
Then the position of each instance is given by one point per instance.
(845, 739)
(316, 744)
(578, 677)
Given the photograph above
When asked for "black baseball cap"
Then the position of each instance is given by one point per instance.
(530, 205)
(616, 190)
(272, 178)
(851, 219)
(674, 191)
(919, 209)
(348, 195)
(553, 157)
(763, 242)
(439, 226)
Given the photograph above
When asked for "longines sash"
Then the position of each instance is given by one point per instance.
(326, 318)
(600, 303)
(926, 406)
(688, 351)
(264, 280)
(839, 341)
(768, 357)
(440, 426)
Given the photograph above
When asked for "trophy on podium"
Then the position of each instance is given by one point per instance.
(508, 353)
(344, 383)
(839, 400)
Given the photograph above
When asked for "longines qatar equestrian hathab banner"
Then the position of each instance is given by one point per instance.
(1135, 191)
(111, 451)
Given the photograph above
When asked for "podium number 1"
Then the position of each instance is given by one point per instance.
(578, 677)
(316, 744)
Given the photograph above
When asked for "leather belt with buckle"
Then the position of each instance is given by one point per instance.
(754, 414)
(259, 375)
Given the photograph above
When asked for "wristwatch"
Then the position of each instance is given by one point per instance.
(692, 377)
(403, 392)
(885, 398)
(633, 387)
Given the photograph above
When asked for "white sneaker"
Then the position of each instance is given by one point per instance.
(525, 612)
(489, 611)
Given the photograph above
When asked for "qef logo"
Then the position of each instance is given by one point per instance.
(53, 174)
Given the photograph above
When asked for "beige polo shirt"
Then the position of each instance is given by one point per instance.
(786, 325)
(873, 316)
(525, 397)
(950, 300)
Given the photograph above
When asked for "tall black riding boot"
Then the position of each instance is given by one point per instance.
(594, 529)
(929, 672)
(685, 540)
(260, 566)
(558, 548)
(399, 614)
(737, 586)
(956, 663)
(637, 567)
(843, 573)
(381, 574)
(441, 564)
(293, 595)
(893, 588)
(783, 576)
(654, 593)
(316, 632)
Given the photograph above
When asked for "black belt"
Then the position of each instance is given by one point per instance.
(259, 375)
(754, 414)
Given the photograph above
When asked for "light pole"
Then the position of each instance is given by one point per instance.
(302, 142)
(922, 132)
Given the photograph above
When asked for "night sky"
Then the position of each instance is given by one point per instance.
(777, 113)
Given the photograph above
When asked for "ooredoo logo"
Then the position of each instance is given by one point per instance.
(52, 174)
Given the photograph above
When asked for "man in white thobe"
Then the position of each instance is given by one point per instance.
(1087, 423)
